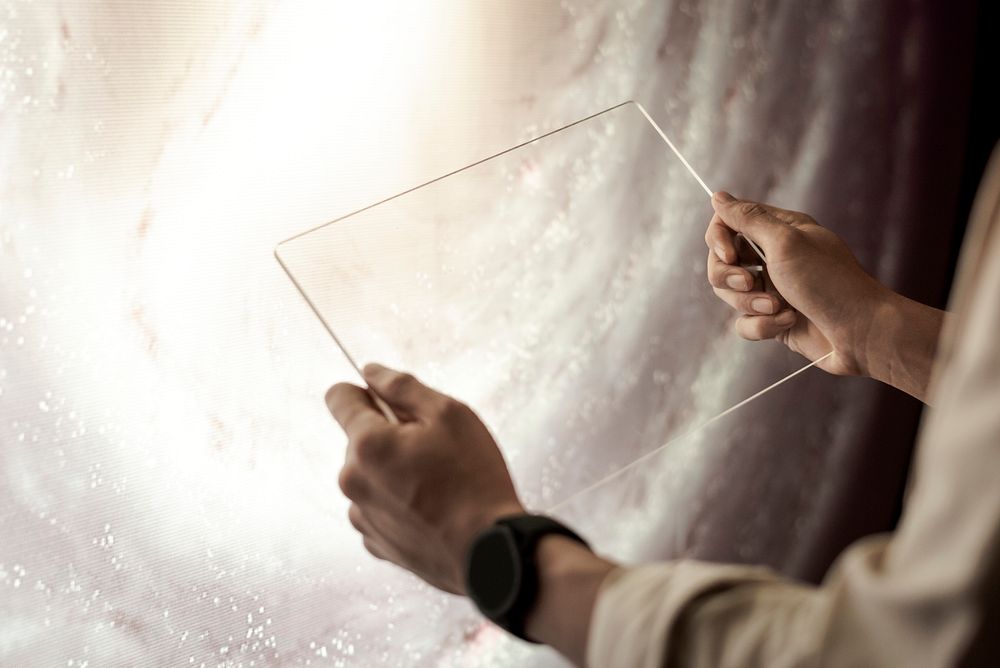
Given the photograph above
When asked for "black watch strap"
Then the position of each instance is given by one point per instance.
(513, 538)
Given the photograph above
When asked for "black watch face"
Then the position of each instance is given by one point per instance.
(494, 572)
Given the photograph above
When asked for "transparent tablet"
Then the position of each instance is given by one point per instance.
(558, 288)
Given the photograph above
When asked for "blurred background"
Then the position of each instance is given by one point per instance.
(167, 466)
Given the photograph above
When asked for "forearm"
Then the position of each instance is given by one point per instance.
(569, 577)
(903, 343)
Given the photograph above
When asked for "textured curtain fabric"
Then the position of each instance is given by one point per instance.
(166, 463)
(855, 113)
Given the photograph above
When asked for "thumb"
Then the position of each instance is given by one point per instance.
(400, 389)
(750, 218)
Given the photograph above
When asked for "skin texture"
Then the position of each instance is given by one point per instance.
(835, 300)
(834, 304)
(423, 489)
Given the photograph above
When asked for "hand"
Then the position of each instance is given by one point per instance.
(834, 303)
(421, 490)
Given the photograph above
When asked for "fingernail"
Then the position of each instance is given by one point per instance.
(723, 196)
(738, 282)
(785, 318)
(762, 305)
(720, 252)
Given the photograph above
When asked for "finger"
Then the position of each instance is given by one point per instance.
(370, 455)
(793, 218)
(761, 327)
(749, 303)
(375, 548)
(719, 239)
(357, 519)
(376, 527)
(352, 408)
(353, 483)
(374, 449)
(401, 389)
(754, 220)
(727, 276)
(373, 542)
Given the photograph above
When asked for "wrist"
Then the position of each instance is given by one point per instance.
(569, 580)
(873, 336)
(902, 343)
(467, 526)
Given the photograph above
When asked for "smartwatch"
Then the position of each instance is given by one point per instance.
(501, 576)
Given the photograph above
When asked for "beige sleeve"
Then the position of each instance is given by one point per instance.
(690, 613)
(642, 612)
(927, 595)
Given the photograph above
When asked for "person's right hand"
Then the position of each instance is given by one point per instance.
(834, 302)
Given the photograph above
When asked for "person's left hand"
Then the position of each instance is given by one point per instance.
(421, 490)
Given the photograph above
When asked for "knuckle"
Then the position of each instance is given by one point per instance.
(453, 409)
(752, 209)
(370, 447)
(785, 238)
(352, 483)
(714, 279)
(717, 277)
(400, 383)
(372, 548)
(354, 516)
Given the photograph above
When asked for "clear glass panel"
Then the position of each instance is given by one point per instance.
(558, 288)
(167, 470)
